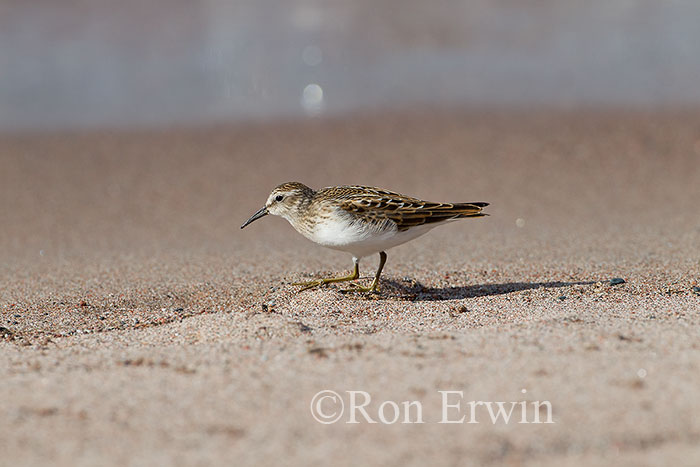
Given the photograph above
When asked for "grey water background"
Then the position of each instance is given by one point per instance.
(99, 63)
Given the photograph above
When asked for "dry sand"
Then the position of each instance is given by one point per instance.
(141, 326)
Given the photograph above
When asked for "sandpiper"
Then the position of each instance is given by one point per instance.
(359, 220)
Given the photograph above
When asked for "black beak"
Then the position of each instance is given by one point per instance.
(256, 216)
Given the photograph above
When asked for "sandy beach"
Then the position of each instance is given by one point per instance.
(140, 326)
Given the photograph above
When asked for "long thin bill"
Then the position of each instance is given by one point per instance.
(256, 216)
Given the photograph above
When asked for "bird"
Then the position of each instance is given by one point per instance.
(359, 220)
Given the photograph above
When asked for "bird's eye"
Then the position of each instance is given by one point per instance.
(279, 198)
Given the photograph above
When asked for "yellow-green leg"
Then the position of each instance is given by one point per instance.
(374, 286)
(318, 282)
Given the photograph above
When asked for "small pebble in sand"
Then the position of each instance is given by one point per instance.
(617, 281)
(696, 289)
(5, 333)
(562, 297)
(520, 222)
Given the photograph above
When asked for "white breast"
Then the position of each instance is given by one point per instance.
(346, 233)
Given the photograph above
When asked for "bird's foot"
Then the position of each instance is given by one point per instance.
(373, 288)
(310, 284)
(323, 281)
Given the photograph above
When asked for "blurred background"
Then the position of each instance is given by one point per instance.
(96, 63)
(163, 125)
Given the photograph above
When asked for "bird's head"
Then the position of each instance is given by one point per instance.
(286, 200)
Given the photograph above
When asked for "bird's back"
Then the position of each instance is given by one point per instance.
(379, 206)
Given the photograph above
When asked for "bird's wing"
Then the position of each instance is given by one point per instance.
(377, 205)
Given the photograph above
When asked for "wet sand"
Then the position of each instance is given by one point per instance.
(140, 325)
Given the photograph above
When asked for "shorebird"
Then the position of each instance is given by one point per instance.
(359, 220)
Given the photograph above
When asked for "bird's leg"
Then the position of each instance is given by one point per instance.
(318, 282)
(374, 286)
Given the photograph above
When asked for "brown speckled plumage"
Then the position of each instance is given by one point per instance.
(376, 205)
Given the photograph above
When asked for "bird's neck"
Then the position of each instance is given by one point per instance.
(304, 218)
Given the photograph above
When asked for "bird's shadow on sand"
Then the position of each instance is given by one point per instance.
(416, 291)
